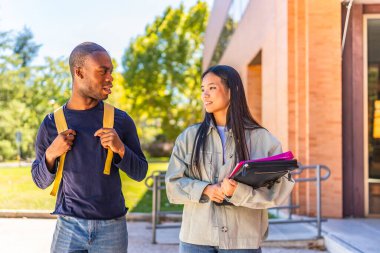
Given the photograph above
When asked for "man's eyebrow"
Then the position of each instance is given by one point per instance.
(106, 68)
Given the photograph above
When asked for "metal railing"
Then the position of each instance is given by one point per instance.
(318, 179)
(155, 183)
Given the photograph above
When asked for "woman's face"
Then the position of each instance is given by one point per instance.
(215, 95)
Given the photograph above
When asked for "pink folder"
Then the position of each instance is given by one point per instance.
(280, 157)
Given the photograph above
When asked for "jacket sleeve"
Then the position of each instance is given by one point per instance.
(133, 162)
(263, 197)
(180, 188)
(42, 177)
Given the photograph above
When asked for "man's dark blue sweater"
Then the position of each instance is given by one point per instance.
(85, 192)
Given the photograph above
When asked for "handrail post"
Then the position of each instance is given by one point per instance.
(158, 198)
(319, 207)
(290, 204)
(154, 209)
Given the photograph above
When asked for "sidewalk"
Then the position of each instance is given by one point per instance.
(352, 235)
(15, 164)
(34, 236)
(340, 236)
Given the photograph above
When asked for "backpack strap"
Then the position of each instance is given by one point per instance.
(108, 121)
(61, 125)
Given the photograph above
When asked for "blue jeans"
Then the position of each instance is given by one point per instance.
(93, 236)
(193, 248)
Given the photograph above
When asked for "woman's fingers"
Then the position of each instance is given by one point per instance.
(217, 199)
(232, 182)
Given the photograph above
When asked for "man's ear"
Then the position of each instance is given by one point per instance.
(78, 72)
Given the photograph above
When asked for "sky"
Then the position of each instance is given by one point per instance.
(61, 25)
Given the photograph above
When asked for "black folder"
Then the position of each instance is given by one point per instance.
(262, 173)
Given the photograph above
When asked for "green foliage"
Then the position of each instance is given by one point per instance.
(159, 87)
(162, 70)
(224, 39)
(27, 93)
(25, 48)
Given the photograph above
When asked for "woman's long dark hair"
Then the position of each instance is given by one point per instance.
(238, 119)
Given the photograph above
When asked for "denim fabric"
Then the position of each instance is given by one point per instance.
(92, 236)
(193, 248)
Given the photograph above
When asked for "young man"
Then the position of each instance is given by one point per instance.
(90, 204)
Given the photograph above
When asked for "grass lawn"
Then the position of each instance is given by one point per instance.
(18, 191)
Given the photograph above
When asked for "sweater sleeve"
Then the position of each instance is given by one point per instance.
(133, 162)
(42, 177)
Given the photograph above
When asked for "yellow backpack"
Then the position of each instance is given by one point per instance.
(60, 122)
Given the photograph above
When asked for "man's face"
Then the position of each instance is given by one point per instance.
(96, 79)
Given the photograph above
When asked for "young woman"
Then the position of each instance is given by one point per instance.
(203, 157)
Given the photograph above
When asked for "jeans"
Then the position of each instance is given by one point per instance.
(93, 236)
(193, 248)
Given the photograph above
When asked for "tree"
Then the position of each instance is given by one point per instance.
(11, 89)
(162, 70)
(27, 94)
(25, 47)
(224, 38)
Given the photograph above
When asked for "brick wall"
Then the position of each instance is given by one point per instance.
(314, 96)
(253, 91)
(300, 84)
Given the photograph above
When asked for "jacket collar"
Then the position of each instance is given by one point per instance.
(213, 127)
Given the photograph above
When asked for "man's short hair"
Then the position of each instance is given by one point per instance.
(80, 52)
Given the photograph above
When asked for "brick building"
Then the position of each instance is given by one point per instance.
(320, 102)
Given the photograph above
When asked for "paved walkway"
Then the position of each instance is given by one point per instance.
(340, 236)
(352, 235)
(15, 164)
(34, 236)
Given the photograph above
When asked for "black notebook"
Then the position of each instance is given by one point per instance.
(263, 172)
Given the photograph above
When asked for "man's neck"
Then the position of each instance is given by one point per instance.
(76, 103)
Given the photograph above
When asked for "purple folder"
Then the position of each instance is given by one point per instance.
(280, 157)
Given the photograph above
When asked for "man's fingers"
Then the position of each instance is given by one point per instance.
(70, 143)
(107, 135)
(106, 138)
(70, 138)
(98, 132)
(69, 132)
(102, 131)
(105, 144)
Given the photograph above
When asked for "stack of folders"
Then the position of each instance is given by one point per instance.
(264, 172)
